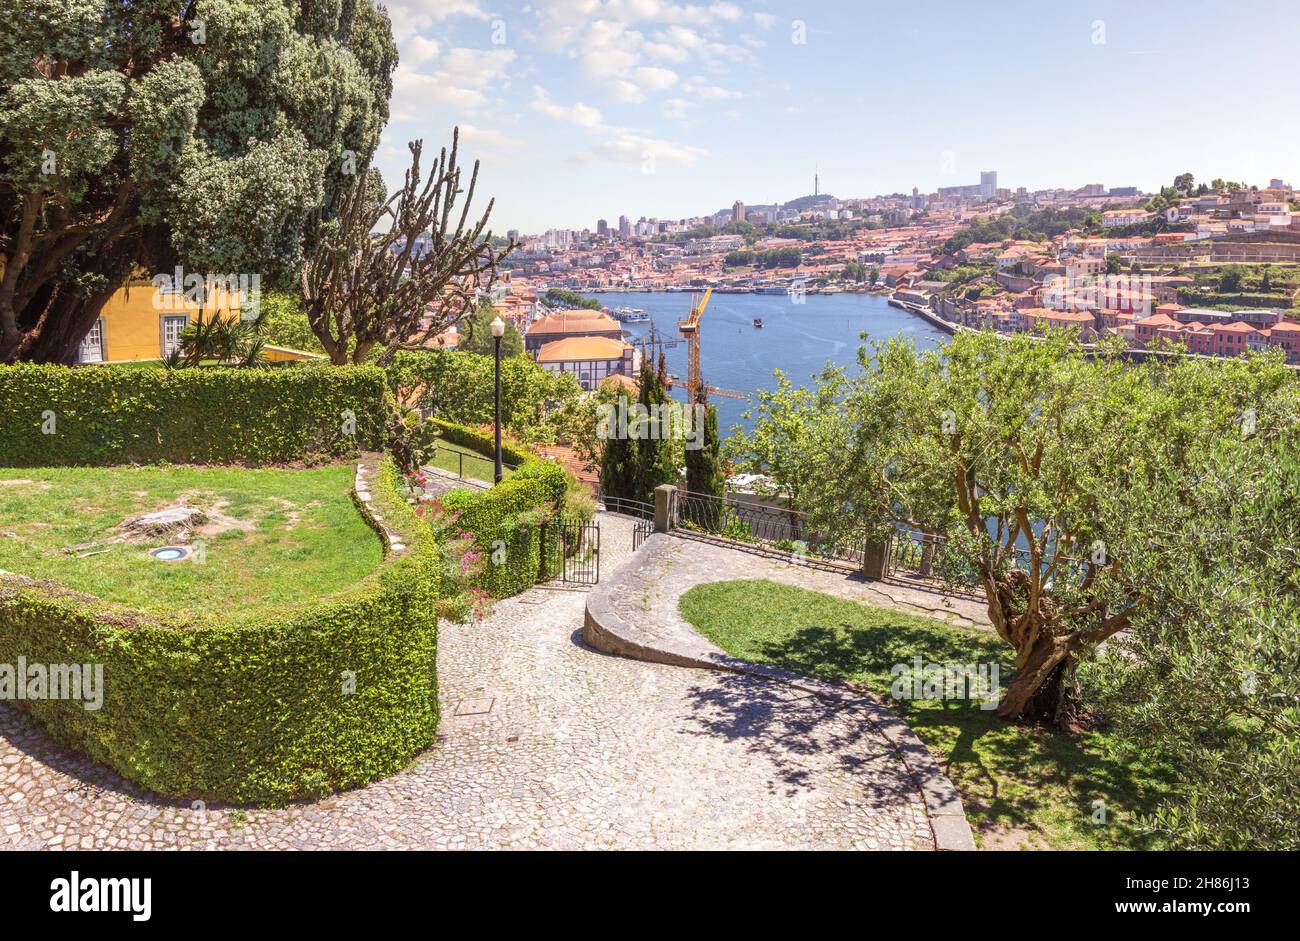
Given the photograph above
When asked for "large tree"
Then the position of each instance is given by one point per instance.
(1007, 448)
(1207, 678)
(214, 134)
(704, 473)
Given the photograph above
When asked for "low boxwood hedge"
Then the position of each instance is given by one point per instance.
(277, 706)
(95, 415)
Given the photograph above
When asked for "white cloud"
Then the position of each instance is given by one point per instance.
(675, 109)
(414, 16)
(418, 51)
(458, 80)
(605, 38)
(626, 148)
(577, 113)
(487, 139)
(765, 20)
(701, 90)
(653, 78)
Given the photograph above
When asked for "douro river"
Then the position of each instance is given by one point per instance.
(797, 338)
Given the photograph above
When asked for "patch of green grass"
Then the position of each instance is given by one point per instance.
(1022, 786)
(278, 537)
(461, 460)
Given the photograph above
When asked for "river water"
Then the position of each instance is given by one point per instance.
(799, 339)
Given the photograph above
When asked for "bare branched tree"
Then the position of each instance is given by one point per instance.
(392, 273)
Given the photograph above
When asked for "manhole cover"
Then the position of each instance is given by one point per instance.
(474, 707)
(170, 553)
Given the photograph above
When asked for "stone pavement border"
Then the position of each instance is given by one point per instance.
(677, 643)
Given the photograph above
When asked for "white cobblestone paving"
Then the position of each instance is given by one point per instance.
(544, 743)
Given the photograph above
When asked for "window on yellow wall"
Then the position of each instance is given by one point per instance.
(92, 347)
(172, 327)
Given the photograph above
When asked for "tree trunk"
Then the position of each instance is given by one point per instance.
(63, 328)
(1040, 688)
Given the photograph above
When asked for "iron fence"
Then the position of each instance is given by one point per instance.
(570, 551)
(480, 467)
(642, 512)
(766, 527)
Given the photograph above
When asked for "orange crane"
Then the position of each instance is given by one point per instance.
(690, 330)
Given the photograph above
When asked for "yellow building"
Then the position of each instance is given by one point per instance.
(144, 322)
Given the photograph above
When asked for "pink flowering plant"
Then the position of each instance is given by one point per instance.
(462, 562)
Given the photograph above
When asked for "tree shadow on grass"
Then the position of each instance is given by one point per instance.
(1009, 774)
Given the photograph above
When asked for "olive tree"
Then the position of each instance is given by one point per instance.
(1008, 448)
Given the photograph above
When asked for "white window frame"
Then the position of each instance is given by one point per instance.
(103, 347)
(162, 331)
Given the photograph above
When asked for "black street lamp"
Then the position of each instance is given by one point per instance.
(498, 331)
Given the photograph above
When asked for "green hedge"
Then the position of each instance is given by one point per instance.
(256, 710)
(481, 443)
(508, 516)
(101, 415)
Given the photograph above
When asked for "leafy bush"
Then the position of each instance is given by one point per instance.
(269, 708)
(506, 521)
(95, 415)
(458, 387)
(481, 442)
(283, 322)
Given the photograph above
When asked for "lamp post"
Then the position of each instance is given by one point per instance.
(498, 331)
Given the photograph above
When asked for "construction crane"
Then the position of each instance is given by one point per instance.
(690, 330)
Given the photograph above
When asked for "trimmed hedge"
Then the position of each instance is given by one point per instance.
(255, 710)
(481, 443)
(508, 516)
(102, 415)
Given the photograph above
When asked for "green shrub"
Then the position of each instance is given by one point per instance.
(481, 443)
(506, 521)
(256, 710)
(458, 387)
(101, 415)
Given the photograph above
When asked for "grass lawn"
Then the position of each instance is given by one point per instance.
(1022, 787)
(450, 457)
(274, 537)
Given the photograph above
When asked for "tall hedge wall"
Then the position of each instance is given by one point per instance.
(97, 415)
(508, 517)
(257, 710)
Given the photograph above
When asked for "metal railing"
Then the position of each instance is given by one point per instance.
(748, 521)
(913, 554)
(638, 508)
(486, 467)
(641, 511)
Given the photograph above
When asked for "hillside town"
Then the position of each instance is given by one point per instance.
(1213, 267)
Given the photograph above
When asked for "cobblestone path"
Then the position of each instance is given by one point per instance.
(543, 743)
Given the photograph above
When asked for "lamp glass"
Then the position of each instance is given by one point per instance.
(498, 327)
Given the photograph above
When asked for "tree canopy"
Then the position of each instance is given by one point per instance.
(1007, 449)
(213, 134)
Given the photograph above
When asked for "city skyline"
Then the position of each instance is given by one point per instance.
(581, 109)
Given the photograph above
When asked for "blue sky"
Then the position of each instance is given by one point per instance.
(586, 109)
